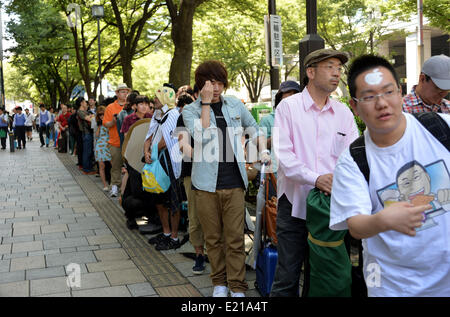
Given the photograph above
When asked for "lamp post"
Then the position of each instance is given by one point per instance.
(66, 58)
(98, 12)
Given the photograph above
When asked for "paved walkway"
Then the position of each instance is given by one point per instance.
(56, 222)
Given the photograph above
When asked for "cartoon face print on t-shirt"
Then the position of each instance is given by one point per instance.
(420, 185)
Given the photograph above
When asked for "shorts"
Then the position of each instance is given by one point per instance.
(29, 129)
(160, 199)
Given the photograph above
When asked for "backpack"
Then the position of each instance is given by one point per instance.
(439, 129)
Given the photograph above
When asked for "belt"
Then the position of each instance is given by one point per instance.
(333, 244)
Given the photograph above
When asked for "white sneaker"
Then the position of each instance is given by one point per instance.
(114, 191)
(237, 294)
(105, 189)
(220, 291)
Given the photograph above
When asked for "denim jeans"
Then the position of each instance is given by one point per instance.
(88, 151)
(292, 246)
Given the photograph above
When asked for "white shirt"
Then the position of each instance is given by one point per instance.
(29, 120)
(396, 264)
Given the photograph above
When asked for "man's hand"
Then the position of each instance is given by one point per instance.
(403, 217)
(324, 183)
(207, 92)
(148, 157)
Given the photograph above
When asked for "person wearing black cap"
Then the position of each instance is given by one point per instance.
(311, 130)
(287, 88)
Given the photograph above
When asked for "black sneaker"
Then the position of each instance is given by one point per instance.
(157, 239)
(168, 244)
(199, 266)
(131, 224)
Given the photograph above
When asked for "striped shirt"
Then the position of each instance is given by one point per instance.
(412, 103)
(166, 130)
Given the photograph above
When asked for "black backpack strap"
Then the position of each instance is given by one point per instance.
(358, 152)
(436, 126)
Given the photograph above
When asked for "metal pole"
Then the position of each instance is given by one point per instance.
(67, 83)
(274, 72)
(99, 61)
(420, 51)
(312, 41)
(2, 82)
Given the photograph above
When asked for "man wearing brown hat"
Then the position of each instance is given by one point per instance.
(110, 122)
(310, 132)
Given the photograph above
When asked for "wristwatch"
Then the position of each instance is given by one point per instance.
(205, 103)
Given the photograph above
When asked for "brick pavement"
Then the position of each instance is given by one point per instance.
(51, 216)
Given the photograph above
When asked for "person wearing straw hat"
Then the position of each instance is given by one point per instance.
(110, 122)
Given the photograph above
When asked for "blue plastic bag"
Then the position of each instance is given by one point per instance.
(154, 178)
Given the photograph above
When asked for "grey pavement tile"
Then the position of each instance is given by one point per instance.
(5, 232)
(36, 274)
(23, 214)
(44, 252)
(12, 277)
(56, 211)
(81, 233)
(5, 248)
(7, 215)
(110, 265)
(127, 276)
(14, 255)
(31, 223)
(67, 258)
(201, 281)
(17, 220)
(31, 262)
(26, 231)
(92, 280)
(50, 236)
(68, 250)
(110, 246)
(15, 289)
(141, 289)
(88, 248)
(111, 254)
(87, 226)
(65, 243)
(48, 286)
(101, 239)
(26, 246)
(54, 228)
(116, 291)
(18, 239)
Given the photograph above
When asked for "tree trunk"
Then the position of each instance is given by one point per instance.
(180, 67)
(182, 20)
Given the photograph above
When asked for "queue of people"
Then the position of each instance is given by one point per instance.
(399, 211)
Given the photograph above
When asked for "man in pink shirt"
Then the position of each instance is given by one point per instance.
(310, 132)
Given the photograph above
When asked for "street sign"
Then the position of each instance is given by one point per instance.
(276, 47)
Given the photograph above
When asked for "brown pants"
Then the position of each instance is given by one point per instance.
(222, 213)
(116, 165)
(195, 229)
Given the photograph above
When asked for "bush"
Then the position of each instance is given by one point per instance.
(360, 124)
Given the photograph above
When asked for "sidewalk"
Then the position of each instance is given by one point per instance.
(54, 219)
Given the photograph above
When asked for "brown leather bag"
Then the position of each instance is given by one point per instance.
(270, 214)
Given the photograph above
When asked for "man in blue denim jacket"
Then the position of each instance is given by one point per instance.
(219, 179)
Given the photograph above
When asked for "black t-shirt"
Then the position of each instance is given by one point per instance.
(228, 175)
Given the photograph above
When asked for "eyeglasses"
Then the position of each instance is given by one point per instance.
(152, 108)
(330, 67)
(101, 114)
(388, 95)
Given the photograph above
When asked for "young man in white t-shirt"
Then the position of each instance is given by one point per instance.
(402, 211)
